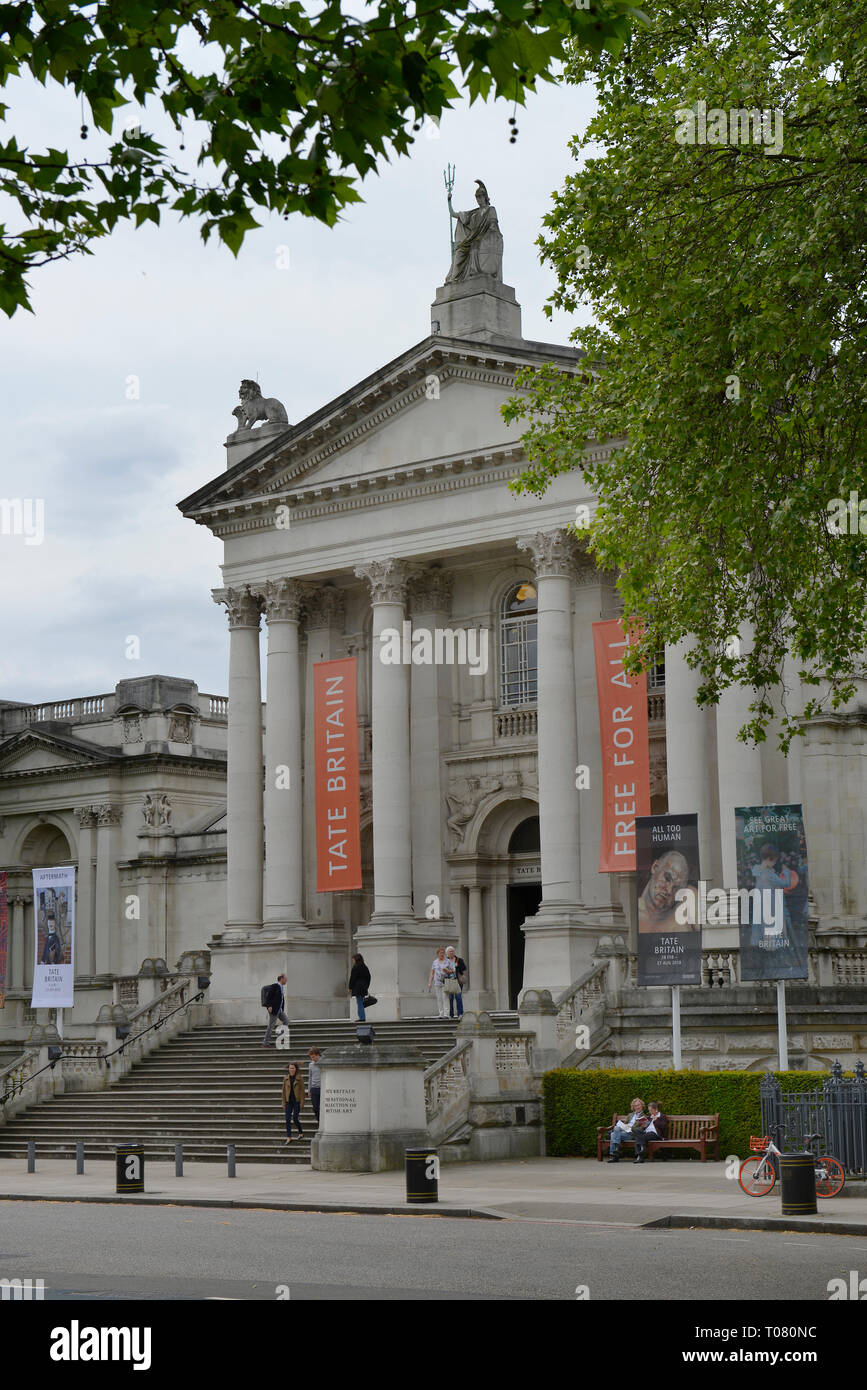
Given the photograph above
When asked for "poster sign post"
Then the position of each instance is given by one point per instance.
(53, 937)
(773, 888)
(669, 929)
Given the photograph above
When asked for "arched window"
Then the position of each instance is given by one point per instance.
(525, 837)
(518, 646)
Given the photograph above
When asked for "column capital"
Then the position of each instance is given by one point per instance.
(324, 607)
(86, 817)
(556, 554)
(430, 591)
(282, 600)
(242, 605)
(388, 580)
(107, 814)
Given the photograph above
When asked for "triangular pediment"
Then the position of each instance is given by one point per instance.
(37, 751)
(440, 400)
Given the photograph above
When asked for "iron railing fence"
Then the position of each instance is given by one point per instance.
(836, 1109)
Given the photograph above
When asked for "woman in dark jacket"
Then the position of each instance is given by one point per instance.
(359, 984)
(293, 1098)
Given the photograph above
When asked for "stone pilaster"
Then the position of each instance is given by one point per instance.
(85, 943)
(245, 824)
(687, 750)
(106, 926)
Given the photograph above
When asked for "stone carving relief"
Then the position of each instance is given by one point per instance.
(108, 815)
(86, 817)
(180, 728)
(463, 799)
(149, 809)
(254, 406)
(132, 732)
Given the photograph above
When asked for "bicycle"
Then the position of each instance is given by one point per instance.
(757, 1175)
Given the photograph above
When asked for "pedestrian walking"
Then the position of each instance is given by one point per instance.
(359, 984)
(454, 986)
(314, 1081)
(274, 1000)
(293, 1098)
(440, 968)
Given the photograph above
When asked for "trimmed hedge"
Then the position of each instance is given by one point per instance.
(576, 1102)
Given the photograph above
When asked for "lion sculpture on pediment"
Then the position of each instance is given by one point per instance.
(254, 406)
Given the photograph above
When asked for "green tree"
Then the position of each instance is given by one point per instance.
(727, 354)
(283, 110)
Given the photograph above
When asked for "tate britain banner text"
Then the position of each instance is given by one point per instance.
(669, 926)
(53, 937)
(773, 883)
(625, 748)
(338, 787)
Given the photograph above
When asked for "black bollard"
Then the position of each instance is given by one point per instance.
(798, 1184)
(130, 1168)
(31, 1155)
(422, 1175)
(179, 1160)
(230, 1156)
(79, 1157)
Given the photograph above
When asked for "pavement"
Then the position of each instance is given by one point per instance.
(682, 1195)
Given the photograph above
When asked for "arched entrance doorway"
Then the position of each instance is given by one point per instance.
(524, 894)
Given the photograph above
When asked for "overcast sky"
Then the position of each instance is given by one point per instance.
(188, 321)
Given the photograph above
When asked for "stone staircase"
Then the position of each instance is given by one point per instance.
(206, 1089)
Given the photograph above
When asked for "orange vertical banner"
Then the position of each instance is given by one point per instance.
(625, 748)
(338, 790)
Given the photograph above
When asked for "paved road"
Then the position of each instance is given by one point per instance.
(187, 1253)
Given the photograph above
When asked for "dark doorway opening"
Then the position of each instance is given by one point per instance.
(523, 902)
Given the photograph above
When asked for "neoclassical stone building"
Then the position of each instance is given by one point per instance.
(390, 506)
(130, 787)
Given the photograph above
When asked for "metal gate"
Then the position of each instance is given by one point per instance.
(836, 1109)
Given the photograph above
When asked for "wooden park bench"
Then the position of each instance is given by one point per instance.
(699, 1132)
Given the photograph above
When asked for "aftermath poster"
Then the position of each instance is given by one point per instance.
(53, 934)
(4, 938)
(669, 926)
(773, 885)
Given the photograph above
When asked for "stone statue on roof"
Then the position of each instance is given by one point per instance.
(478, 246)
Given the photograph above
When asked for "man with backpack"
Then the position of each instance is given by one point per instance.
(274, 1000)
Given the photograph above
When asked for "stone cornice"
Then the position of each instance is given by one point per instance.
(122, 766)
(428, 477)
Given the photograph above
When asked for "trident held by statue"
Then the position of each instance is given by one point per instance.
(449, 181)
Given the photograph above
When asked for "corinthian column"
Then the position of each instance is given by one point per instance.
(244, 822)
(283, 785)
(554, 557)
(392, 871)
(559, 938)
(106, 936)
(430, 701)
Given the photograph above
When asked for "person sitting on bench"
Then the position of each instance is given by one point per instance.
(654, 1129)
(626, 1129)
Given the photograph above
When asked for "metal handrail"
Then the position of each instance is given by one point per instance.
(104, 1056)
